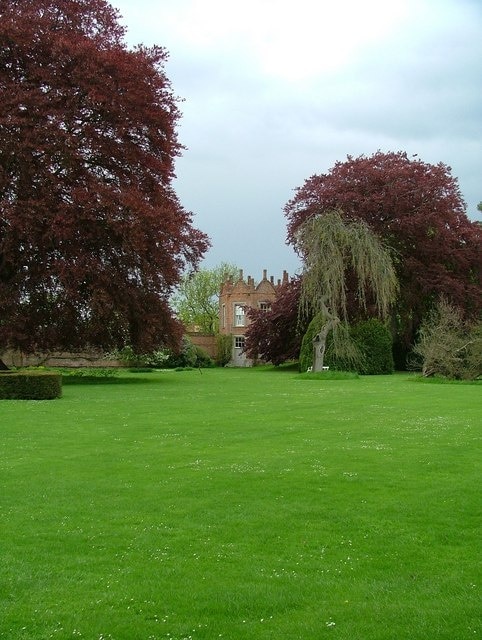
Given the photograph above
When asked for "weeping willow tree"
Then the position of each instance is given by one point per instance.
(333, 248)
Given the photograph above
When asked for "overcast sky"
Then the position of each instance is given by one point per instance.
(276, 91)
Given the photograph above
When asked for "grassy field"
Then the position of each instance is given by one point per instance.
(242, 504)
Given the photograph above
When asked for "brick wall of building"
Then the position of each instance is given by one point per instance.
(233, 299)
(207, 343)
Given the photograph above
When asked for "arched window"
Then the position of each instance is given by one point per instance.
(239, 315)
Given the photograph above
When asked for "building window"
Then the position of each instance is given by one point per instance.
(239, 342)
(265, 306)
(224, 316)
(239, 316)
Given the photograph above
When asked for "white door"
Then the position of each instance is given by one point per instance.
(239, 357)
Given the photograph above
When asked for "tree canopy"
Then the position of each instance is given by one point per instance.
(417, 209)
(92, 235)
(275, 335)
(196, 300)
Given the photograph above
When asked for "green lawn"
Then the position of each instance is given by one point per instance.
(242, 504)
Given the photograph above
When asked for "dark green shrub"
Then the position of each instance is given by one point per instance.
(190, 356)
(185, 358)
(203, 360)
(371, 337)
(30, 385)
(224, 346)
(374, 340)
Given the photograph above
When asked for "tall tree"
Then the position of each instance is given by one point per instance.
(336, 251)
(418, 210)
(196, 300)
(92, 235)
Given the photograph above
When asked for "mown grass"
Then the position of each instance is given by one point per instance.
(242, 504)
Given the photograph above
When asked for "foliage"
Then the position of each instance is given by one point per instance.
(92, 372)
(189, 481)
(30, 385)
(448, 346)
(203, 359)
(306, 350)
(224, 346)
(129, 358)
(369, 350)
(374, 341)
(196, 300)
(190, 355)
(346, 357)
(275, 335)
(419, 212)
(338, 252)
(92, 235)
(185, 357)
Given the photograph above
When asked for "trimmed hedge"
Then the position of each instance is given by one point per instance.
(375, 343)
(30, 385)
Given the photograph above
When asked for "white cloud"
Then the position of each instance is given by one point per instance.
(276, 91)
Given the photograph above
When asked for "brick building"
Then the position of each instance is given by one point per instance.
(233, 299)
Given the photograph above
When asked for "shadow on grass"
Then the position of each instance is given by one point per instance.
(328, 375)
(71, 380)
(441, 380)
(286, 367)
(293, 367)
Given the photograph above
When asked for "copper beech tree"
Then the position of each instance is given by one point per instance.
(93, 238)
(417, 210)
(275, 335)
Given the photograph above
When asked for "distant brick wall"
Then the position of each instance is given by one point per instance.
(58, 359)
(205, 342)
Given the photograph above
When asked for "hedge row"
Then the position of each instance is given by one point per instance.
(30, 385)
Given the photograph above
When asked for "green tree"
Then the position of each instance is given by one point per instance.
(335, 252)
(448, 346)
(196, 301)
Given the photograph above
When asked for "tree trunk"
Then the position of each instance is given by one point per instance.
(319, 345)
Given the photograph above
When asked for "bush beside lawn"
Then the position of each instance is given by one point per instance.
(30, 385)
